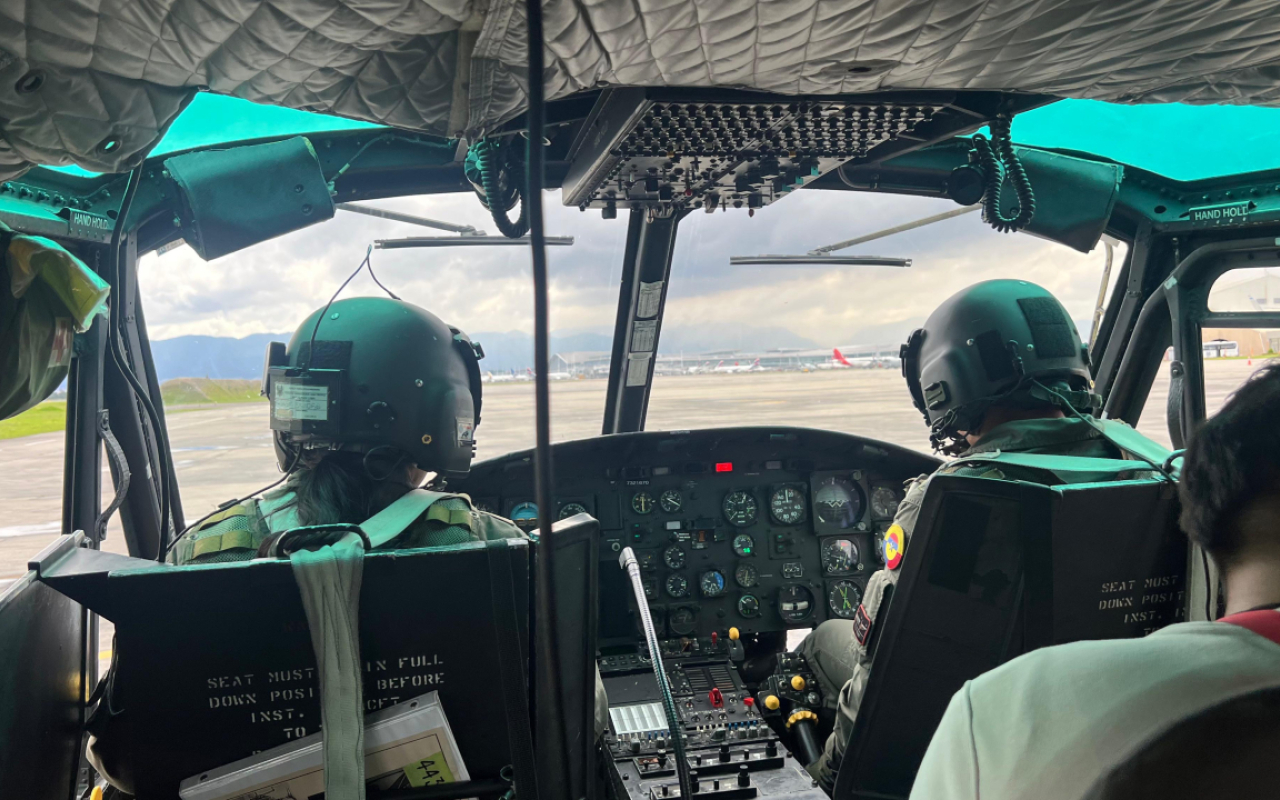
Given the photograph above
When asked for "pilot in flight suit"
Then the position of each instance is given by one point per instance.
(388, 393)
(360, 457)
(998, 368)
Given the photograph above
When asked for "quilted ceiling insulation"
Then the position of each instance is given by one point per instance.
(96, 82)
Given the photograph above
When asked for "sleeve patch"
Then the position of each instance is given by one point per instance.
(862, 625)
(894, 544)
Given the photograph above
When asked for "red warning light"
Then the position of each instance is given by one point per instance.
(724, 466)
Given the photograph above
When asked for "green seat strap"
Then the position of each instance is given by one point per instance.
(328, 578)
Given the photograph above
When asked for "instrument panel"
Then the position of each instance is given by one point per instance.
(762, 529)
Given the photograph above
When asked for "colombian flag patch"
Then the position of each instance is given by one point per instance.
(893, 546)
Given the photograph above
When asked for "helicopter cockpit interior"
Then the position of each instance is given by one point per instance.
(668, 566)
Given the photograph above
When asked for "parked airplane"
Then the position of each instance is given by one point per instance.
(754, 366)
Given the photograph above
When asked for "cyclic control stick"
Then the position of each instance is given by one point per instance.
(628, 562)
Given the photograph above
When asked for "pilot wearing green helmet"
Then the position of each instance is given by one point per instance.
(1000, 374)
(369, 396)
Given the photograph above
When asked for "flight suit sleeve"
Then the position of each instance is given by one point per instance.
(824, 770)
(949, 770)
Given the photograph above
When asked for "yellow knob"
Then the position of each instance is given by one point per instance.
(733, 634)
(797, 683)
(772, 702)
(802, 714)
(96, 794)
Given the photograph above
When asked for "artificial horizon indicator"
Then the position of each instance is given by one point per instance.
(837, 502)
(795, 603)
(525, 515)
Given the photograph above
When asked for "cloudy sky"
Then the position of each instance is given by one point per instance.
(271, 287)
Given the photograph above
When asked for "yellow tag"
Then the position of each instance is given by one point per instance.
(430, 771)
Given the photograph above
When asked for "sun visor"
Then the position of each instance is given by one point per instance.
(1074, 197)
(244, 195)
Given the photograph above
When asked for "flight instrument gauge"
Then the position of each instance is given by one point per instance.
(746, 576)
(642, 503)
(795, 603)
(884, 502)
(837, 502)
(682, 621)
(569, 509)
(749, 606)
(744, 545)
(525, 515)
(839, 556)
(673, 556)
(671, 501)
(786, 505)
(740, 509)
(712, 583)
(677, 586)
(843, 598)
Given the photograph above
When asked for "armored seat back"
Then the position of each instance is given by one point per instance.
(996, 569)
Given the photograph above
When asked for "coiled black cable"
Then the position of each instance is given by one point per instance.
(493, 199)
(998, 161)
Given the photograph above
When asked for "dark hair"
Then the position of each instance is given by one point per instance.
(339, 486)
(1232, 459)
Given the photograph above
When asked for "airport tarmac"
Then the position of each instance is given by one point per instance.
(225, 451)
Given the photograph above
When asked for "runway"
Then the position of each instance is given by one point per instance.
(225, 451)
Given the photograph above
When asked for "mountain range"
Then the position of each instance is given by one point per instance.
(225, 357)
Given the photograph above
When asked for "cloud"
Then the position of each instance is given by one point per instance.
(272, 286)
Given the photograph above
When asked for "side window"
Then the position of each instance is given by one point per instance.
(31, 448)
(1231, 355)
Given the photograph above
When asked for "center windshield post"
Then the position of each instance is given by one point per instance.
(642, 298)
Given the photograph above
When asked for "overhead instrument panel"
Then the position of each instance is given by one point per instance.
(759, 529)
(724, 150)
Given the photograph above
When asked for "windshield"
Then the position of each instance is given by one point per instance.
(817, 346)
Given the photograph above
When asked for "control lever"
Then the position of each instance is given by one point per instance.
(627, 561)
(736, 651)
(803, 725)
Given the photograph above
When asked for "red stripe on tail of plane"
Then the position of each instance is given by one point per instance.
(839, 357)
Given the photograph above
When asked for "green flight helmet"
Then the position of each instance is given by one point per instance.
(375, 374)
(1003, 341)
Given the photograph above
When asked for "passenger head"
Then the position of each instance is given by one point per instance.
(370, 395)
(995, 352)
(1230, 482)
